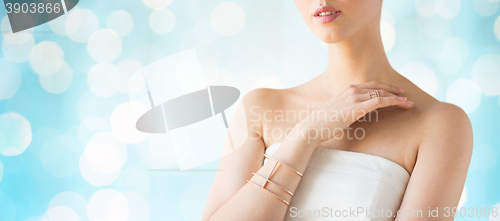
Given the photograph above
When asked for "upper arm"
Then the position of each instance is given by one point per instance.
(243, 153)
(442, 162)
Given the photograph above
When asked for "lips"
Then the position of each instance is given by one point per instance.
(326, 14)
(325, 9)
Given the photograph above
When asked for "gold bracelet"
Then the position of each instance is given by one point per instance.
(299, 173)
(267, 180)
(261, 187)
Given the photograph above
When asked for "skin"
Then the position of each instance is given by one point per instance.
(431, 140)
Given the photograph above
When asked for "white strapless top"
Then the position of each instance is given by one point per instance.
(346, 185)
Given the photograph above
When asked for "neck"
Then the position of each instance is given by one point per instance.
(359, 59)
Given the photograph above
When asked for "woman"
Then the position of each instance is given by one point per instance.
(410, 153)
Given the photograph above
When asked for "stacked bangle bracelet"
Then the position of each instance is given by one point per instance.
(268, 179)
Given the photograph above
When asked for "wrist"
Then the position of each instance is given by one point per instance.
(310, 132)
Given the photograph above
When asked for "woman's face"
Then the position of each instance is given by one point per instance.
(349, 17)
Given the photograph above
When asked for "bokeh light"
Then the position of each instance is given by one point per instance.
(58, 82)
(422, 76)
(121, 22)
(47, 58)
(227, 18)
(104, 79)
(465, 94)
(486, 74)
(486, 7)
(15, 134)
(80, 24)
(453, 55)
(59, 155)
(108, 204)
(162, 21)
(104, 45)
(157, 4)
(10, 79)
(123, 122)
(72, 200)
(61, 213)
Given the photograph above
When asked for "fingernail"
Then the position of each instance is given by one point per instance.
(402, 98)
(408, 102)
(401, 89)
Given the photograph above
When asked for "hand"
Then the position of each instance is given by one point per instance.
(350, 105)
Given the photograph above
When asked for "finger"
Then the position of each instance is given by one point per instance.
(380, 102)
(364, 96)
(380, 86)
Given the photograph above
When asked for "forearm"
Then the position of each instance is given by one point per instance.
(252, 203)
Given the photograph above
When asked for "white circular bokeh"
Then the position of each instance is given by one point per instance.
(157, 4)
(61, 213)
(121, 22)
(486, 7)
(138, 208)
(388, 17)
(453, 55)
(463, 197)
(157, 151)
(447, 9)
(102, 159)
(59, 81)
(15, 134)
(80, 24)
(127, 68)
(104, 45)
(486, 74)
(135, 180)
(123, 122)
(496, 28)
(90, 127)
(204, 31)
(10, 79)
(422, 76)
(108, 204)
(227, 18)
(430, 23)
(162, 21)
(59, 25)
(91, 105)
(388, 35)
(47, 58)
(17, 50)
(71, 200)
(59, 155)
(105, 154)
(104, 79)
(465, 94)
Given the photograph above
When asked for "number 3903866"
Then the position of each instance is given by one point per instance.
(33, 8)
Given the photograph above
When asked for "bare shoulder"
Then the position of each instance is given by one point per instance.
(447, 127)
(262, 99)
(442, 115)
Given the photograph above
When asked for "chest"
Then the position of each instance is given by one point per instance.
(389, 132)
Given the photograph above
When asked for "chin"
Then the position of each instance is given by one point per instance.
(331, 36)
